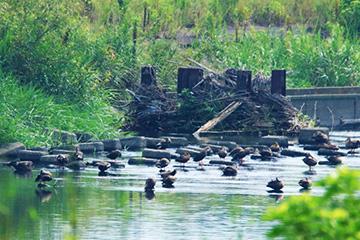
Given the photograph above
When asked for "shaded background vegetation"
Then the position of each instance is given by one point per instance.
(72, 60)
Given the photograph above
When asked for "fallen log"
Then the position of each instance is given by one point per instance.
(219, 117)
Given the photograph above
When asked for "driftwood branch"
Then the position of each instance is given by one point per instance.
(203, 67)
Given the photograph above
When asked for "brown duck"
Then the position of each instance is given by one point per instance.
(164, 143)
(103, 166)
(352, 144)
(183, 158)
(78, 155)
(62, 160)
(276, 184)
(198, 157)
(241, 153)
(235, 151)
(320, 137)
(162, 163)
(310, 160)
(21, 166)
(150, 184)
(266, 153)
(305, 183)
(43, 176)
(113, 155)
(168, 172)
(275, 148)
(230, 171)
(222, 153)
(169, 181)
(334, 159)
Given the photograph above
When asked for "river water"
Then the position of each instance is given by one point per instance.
(202, 205)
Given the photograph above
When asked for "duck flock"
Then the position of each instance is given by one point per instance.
(227, 168)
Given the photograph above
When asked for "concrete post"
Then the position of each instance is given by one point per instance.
(148, 75)
(278, 82)
(188, 78)
(243, 81)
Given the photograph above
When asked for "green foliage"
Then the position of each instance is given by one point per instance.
(334, 215)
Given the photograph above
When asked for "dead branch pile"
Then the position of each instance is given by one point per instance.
(154, 109)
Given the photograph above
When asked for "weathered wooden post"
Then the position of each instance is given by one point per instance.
(188, 78)
(148, 75)
(243, 81)
(278, 82)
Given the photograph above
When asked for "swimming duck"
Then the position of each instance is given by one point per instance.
(352, 144)
(21, 166)
(162, 163)
(43, 176)
(114, 154)
(103, 166)
(164, 143)
(168, 172)
(222, 153)
(310, 160)
(334, 159)
(201, 155)
(276, 184)
(62, 160)
(275, 148)
(150, 184)
(320, 137)
(305, 183)
(230, 171)
(183, 158)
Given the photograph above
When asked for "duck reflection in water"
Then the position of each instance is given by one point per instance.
(150, 188)
(44, 195)
(277, 197)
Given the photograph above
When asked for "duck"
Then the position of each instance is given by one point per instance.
(150, 184)
(275, 148)
(21, 166)
(320, 137)
(310, 160)
(103, 166)
(330, 146)
(334, 159)
(169, 181)
(276, 184)
(230, 171)
(113, 155)
(222, 153)
(162, 164)
(241, 153)
(183, 158)
(42, 177)
(305, 183)
(78, 155)
(164, 143)
(198, 157)
(235, 151)
(266, 153)
(62, 160)
(168, 172)
(352, 144)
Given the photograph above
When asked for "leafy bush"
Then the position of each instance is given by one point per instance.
(334, 215)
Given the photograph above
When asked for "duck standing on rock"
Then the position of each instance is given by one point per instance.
(310, 160)
(42, 177)
(334, 159)
(305, 183)
(183, 158)
(62, 160)
(240, 154)
(266, 153)
(320, 138)
(198, 157)
(21, 166)
(275, 148)
(103, 166)
(164, 143)
(162, 164)
(113, 155)
(352, 144)
(78, 155)
(222, 153)
(276, 184)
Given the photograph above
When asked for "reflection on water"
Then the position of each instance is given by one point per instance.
(202, 204)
